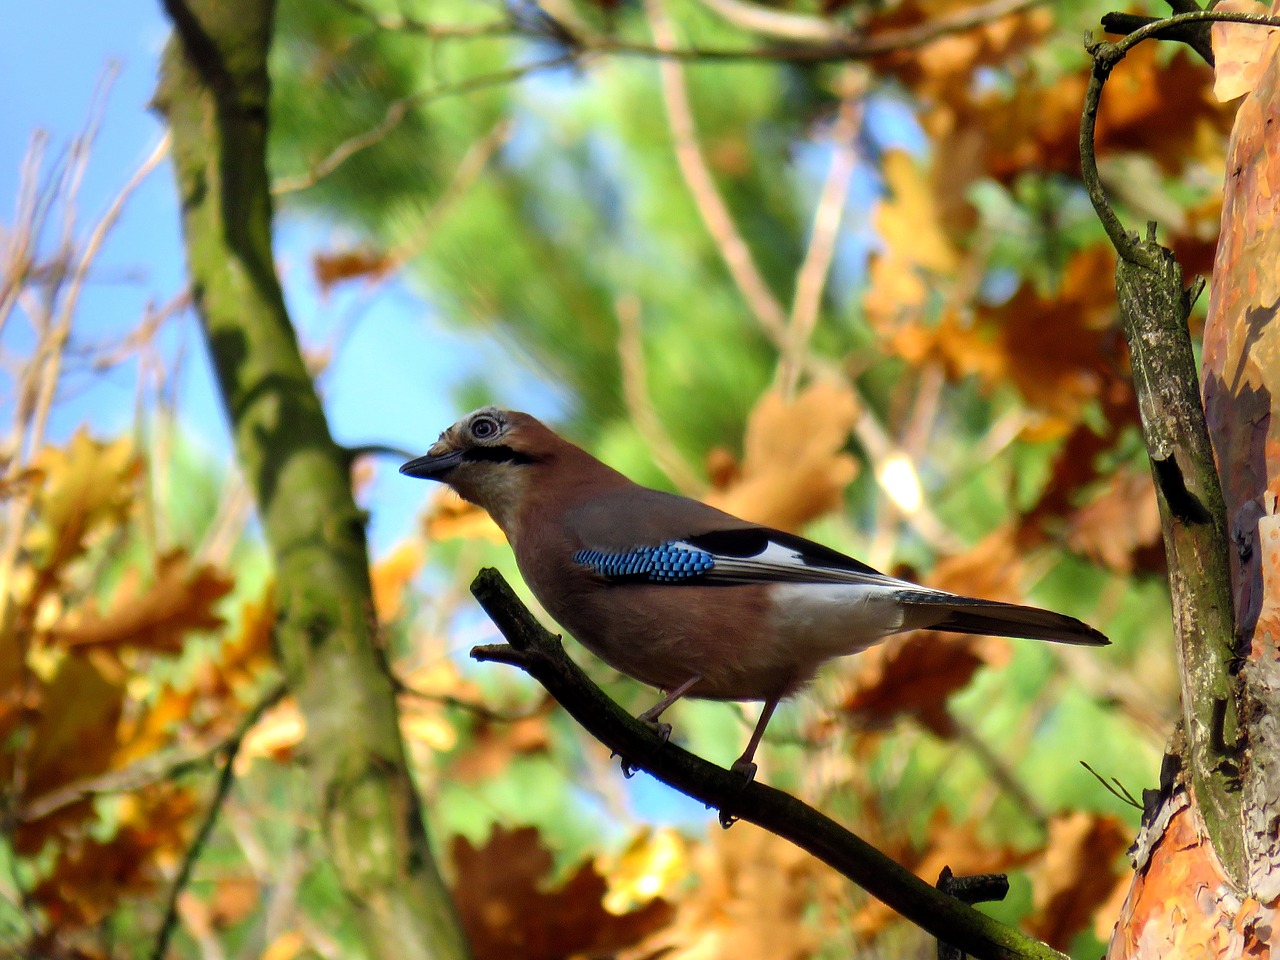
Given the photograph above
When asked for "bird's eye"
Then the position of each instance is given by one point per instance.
(484, 428)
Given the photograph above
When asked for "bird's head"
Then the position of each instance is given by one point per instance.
(487, 457)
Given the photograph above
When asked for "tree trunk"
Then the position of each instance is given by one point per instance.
(214, 92)
(1187, 894)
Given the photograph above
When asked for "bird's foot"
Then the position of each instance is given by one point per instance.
(744, 768)
(663, 730)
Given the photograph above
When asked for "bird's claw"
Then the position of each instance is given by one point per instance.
(745, 768)
(663, 730)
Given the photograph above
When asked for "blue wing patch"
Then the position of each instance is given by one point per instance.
(669, 563)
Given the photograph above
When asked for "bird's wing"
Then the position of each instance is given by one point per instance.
(738, 555)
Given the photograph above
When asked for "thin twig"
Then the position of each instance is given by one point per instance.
(733, 249)
(155, 770)
(404, 23)
(225, 779)
(398, 109)
(811, 278)
(1105, 57)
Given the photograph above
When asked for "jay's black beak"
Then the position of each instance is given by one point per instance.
(429, 467)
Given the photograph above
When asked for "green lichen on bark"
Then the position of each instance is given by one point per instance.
(1154, 306)
(214, 92)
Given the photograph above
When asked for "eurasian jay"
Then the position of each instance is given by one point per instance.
(680, 595)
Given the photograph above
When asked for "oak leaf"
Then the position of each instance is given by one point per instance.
(180, 599)
(1076, 874)
(89, 487)
(794, 465)
(507, 911)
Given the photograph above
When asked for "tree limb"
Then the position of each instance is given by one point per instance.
(214, 92)
(539, 653)
(1154, 306)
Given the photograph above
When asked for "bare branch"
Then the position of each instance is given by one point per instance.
(733, 249)
(811, 279)
(226, 778)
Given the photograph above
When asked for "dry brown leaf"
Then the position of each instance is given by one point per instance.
(914, 673)
(179, 600)
(1076, 874)
(333, 269)
(794, 466)
(90, 876)
(1119, 522)
(506, 910)
(1058, 346)
(73, 737)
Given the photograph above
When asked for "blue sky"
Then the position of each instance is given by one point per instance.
(391, 379)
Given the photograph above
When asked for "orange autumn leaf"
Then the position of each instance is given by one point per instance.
(502, 896)
(332, 269)
(275, 736)
(794, 465)
(495, 744)
(754, 896)
(235, 897)
(89, 487)
(916, 249)
(450, 517)
(391, 575)
(180, 599)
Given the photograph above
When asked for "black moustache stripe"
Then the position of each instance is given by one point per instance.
(498, 454)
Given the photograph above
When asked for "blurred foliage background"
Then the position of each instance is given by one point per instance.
(847, 287)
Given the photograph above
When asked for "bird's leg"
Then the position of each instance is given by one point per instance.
(651, 715)
(744, 764)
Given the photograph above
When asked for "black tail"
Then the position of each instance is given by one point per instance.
(942, 611)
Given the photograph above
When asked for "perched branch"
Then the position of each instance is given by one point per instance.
(1154, 306)
(539, 653)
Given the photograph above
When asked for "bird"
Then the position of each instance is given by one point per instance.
(680, 595)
